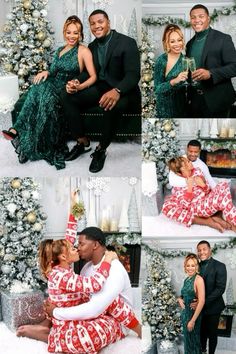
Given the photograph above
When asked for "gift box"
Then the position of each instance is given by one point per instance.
(20, 309)
(9, 92)
(167, 347)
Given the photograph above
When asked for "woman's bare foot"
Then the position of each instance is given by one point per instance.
(208, 222)
(38, 332)
(222, 222)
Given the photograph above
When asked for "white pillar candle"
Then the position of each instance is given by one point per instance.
(231, 133)
(114, 225)
(223, 132)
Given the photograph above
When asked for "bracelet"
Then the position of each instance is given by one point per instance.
(117, 90)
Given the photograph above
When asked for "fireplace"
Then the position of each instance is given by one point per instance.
(225, 325)
(220, 157)
(130, 260)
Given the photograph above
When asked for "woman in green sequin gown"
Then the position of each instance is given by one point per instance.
(169, 76)
(193, 288)
(39, 124)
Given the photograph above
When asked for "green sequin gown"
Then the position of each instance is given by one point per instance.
(40, 126)
(170, 100)
(192, 344)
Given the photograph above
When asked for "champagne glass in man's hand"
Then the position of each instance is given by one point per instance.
(192, 67)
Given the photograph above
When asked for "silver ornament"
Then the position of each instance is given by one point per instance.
(6, 269)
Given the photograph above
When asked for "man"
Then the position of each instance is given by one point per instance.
(215, 276)
(117, 63)
(215, 58)
(193, 153)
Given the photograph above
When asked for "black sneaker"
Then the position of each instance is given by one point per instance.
(76, 151)
(97, 163)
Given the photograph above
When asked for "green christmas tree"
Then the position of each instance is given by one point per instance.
(159, 306)
(147, 82)
(21, 229)
(27, 39)
(160, 144)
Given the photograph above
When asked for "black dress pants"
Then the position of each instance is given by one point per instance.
(73, 104)
(209, 327)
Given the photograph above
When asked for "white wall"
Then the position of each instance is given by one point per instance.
(56, 199)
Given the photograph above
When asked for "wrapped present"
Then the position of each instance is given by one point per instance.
(9, 92)
(22, 308)
(167, 347)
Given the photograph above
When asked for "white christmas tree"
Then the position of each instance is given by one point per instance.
(133, 28)
(21, 229)
(27, 39)
(147, 82)
(123, 225)
(133, 213)
(160, 144)
(159, 306)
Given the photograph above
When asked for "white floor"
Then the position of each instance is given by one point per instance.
(10, 344)
(160, 227)
(123, 159)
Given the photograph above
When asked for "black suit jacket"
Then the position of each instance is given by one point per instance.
(218, 56)
(215, 278)
(122, 66)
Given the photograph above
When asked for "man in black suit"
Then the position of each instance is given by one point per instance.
(117, 63)
(212, 93)
(215, 277)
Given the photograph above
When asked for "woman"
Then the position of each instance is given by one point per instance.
(169, 76)
(197, 199)
(38, 132)
(193, 288)
(68, 289)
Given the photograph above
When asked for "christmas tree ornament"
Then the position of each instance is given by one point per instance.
(37, 227)
(16, 183)
(27, 4)
(46, 43)
(11, 207)
(147, 76)
(36, 14)
(167, 126)
(31, 217)
(41, 36)
(6, 269)
(25, 194)
(44, 216)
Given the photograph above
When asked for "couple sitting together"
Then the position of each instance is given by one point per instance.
(105, 75)
(195, 197)
(201, 300)
(85, 312)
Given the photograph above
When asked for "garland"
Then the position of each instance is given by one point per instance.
(165, 20)
(126, 238)
(212, 146)
(179, 253)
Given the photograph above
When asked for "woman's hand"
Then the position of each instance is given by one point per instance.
(190, 325)
(180, 78)
(110, 256)
(181, 302)
(74, 197)
(199, 181)
(41, 76)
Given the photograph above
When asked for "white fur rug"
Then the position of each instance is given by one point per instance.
(11, 344)
(123, 159)
(160, 226)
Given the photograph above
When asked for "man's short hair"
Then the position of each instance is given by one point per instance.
(200, 6)
(194, 143)
(98, 11)
(94, 234)
(204, 242)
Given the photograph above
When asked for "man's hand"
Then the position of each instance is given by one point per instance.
(201, 74)
(48, 308)
(109, 99)
(190, 325)
(193, 304)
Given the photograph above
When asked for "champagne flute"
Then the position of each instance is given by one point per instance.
(192, 67)
(185, 67)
